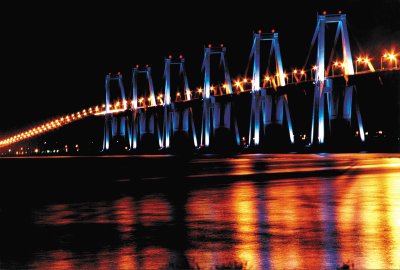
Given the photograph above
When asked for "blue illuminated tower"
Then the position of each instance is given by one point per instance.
(263, 102)
(177, 118)
(324, 86)
(144, 118)
(217, 113)
(115, 124)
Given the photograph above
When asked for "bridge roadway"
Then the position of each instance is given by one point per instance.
(289, 88)
(299, 95)
(367, 82)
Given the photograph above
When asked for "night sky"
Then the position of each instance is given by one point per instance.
(54, 57)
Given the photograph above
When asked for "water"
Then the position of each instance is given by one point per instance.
(283, 211)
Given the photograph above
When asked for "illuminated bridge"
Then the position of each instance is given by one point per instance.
(168, 119)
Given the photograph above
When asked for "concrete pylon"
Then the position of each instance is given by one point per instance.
(264, 102)
(178, 118)
(323, 91)
(217, 110)
(116, 124)
(144, 120)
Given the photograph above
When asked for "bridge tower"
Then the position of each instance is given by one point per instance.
(263, 102)
(217, 110)
(115, 124)
(324, 86)
(144, 116)
(178, 118)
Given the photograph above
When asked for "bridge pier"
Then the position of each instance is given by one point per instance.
(339, 103)
(178, 115)
(179, 129)
(145, 129)
(218, 121)
(115, 124)
(267, 105)
(268, 108)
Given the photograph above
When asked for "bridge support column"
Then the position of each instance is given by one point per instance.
(256, 116)
(178, 117)
(144, 119)
(282, 105)
(134, 138)
(206, 122)
(178, 120)
(218, 117)
(115, 124)
(350, 93)
(144, 124)
(267, 108)
(106, 138)
(217, 110)
(321, 90)
(324, 92)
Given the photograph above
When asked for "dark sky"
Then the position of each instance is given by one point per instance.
(54, 57)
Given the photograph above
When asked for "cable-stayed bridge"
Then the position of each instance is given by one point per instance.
(167, 119)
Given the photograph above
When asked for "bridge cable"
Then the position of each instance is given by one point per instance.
(311, 45)
(333, 51)
(248, 62)
(269, 60)
(350, 30)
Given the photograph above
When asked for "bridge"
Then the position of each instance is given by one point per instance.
(168, 119)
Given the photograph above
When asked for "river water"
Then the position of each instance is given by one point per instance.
(259, 211)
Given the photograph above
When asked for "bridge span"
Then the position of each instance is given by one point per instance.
(212, 116)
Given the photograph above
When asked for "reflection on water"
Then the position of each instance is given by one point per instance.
(273, 221)
(373, 201)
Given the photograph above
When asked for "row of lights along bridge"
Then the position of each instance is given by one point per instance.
(364, 64)
(387, 61)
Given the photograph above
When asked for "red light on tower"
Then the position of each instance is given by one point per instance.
(170, 56)
(137, 66)
(324, 12)
(259, 31)
(209, 45)
(147, 66)
(180, 56)
(222, 45)
(119, 73)
(340, 12)
(273, 30)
